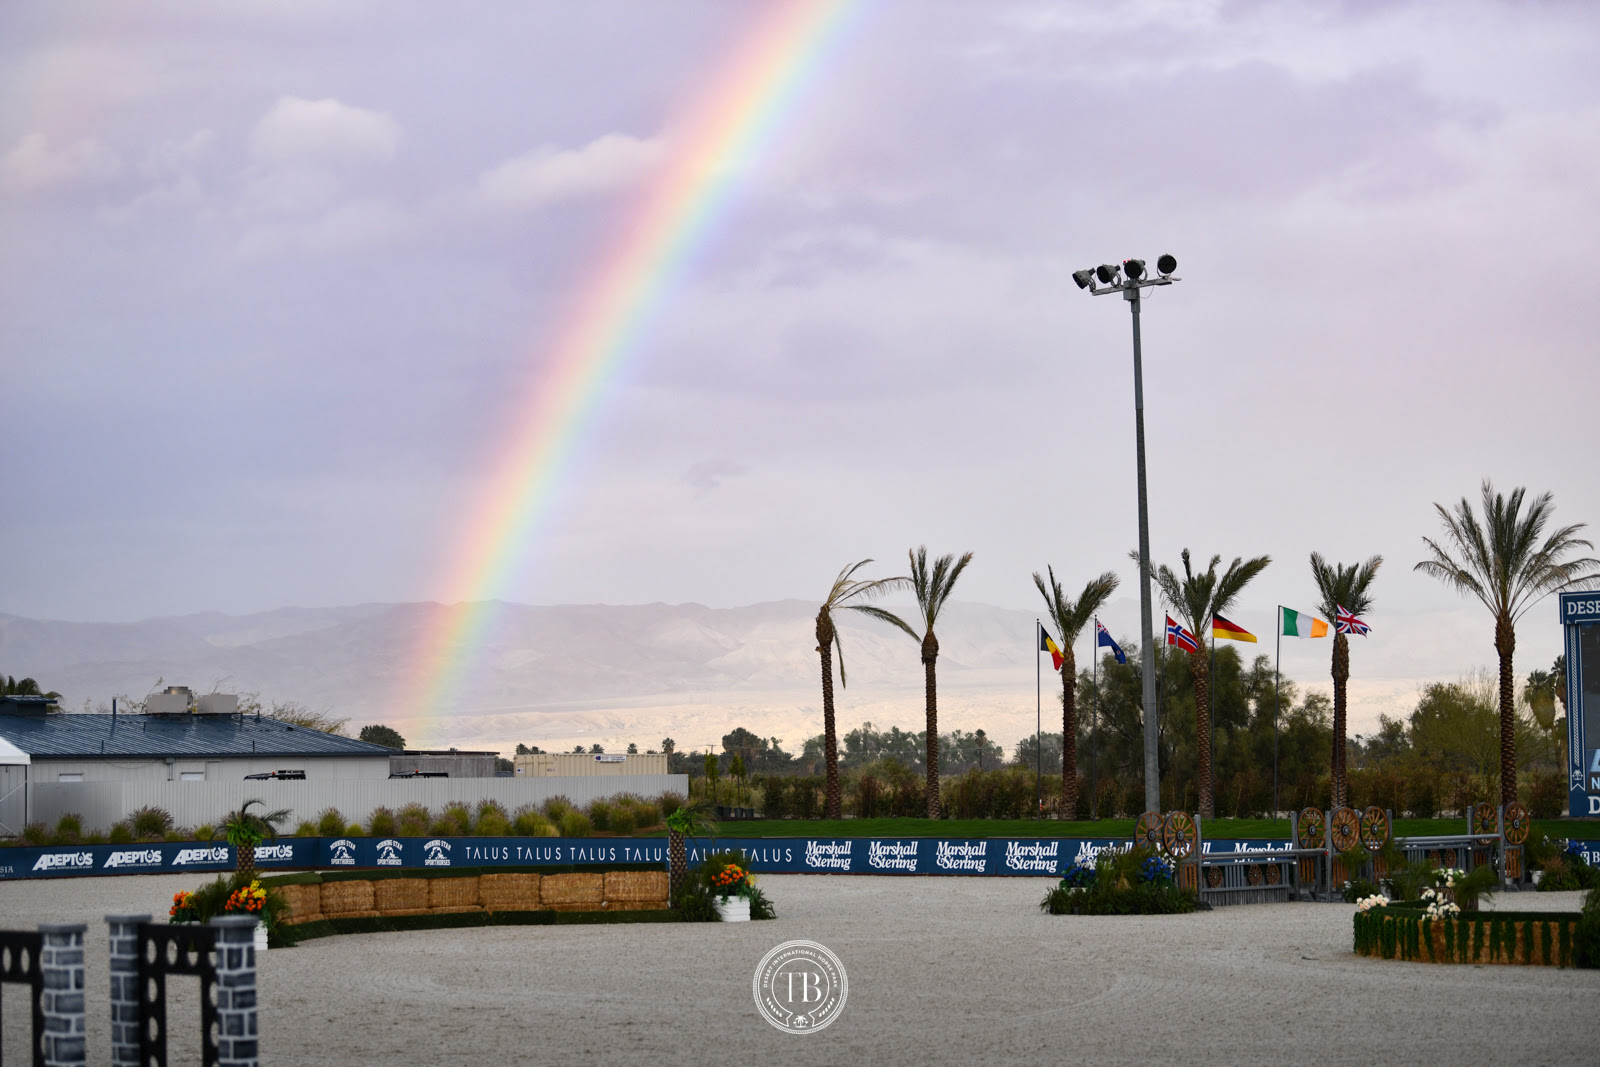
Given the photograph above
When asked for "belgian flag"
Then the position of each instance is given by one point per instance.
(1046, 644)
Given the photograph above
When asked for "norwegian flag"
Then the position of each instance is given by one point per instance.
(1177, 635)
(1347, 623)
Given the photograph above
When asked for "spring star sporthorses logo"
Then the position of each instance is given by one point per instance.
(828, 855)
(58, 860)
(187, 856)
(344, 852)
(389, 852)
(437, 852)
(139, 857)
(800, 987)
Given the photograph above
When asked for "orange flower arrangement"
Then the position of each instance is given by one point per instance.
(731, 880)
(251, 899)
(182, 909)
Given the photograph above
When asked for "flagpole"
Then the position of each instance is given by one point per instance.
(1277, 682)
(1038, 729)
(1094, 726)
(1211, 720)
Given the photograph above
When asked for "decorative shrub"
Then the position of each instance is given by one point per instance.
(414, 820)
(600, 813)
(306, 828)
(1131, 881)
(557, 806)
(721, 875)
(383, 823)
(121, 834)
(1568, 870)
(69, 828)
(150, 823)
(574, 823)
(622, 820)
(330, 823)
(492, 821)
(530, 823)
(36, 833)
(355, 829)
(205, 832)
(454, 821)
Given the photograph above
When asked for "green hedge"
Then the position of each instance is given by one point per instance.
(1470, 937)
(460, 920)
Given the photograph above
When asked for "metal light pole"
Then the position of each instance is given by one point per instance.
(1130, 280)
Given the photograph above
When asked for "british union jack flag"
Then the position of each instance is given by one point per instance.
(1347, 623)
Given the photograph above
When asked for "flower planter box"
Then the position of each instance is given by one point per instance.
(733, 909)
(261, 937)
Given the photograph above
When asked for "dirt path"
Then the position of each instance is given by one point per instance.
(941, 970)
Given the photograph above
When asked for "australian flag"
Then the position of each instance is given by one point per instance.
(1102, 639)
(1177, 635)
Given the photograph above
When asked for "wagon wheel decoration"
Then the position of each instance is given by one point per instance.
(1483, 818)
(1213, 877)
(1148, 831)
(1274, 873)
(1434, 859)
(1374, 828)
(1311, 828)
(1252, 874)
(1177, 835)
(1517, 822)
(1344, 829)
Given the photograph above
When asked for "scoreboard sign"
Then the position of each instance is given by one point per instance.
(1580, 621)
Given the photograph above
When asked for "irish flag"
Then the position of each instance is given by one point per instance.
(1299, 624)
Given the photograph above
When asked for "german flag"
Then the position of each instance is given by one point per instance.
(1232, 631)
(1048, 645)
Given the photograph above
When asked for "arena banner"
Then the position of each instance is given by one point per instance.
(763, 855)
(163, 857)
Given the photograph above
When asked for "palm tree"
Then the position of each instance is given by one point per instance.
(1349, 588)
(692, 818)
(1197, 598)
(850, 594)
(932, 589)
(244, 829)
(1503, 563)
(1070, 617)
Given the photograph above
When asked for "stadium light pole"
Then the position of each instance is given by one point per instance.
(1130, 280)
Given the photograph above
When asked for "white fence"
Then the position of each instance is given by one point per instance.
(100, 804)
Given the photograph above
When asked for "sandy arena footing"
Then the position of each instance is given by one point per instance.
(941, 970)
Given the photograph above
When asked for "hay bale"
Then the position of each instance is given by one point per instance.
(509, 892)
(400, 894)
(453, 892)
(636, 905)
(304, 903)
(342, 900)
(460, 909)
(587, 889)
(636, 886)
(406, 911)
(592, 906)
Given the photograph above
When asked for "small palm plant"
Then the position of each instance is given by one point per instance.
(245, 829)
(691, 819)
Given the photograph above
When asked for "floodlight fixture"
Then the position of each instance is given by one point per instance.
(1107, 273)
(1167, 263)
(1133, 268)
(1084, 278)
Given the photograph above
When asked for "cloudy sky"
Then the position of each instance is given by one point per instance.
(276, 280)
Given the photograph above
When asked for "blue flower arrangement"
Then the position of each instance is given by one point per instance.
(1157, 870)
(1077, 876)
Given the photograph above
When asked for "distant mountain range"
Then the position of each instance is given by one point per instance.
(577, 674)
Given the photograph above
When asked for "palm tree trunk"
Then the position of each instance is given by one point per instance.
(832, 805)
(930, 685)
(245, 858)
(1202, 725)
(1505, 643)
(1341, 675)
(677, 862)
(1069, 735)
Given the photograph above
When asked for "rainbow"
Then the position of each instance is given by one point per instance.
(731, 126)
